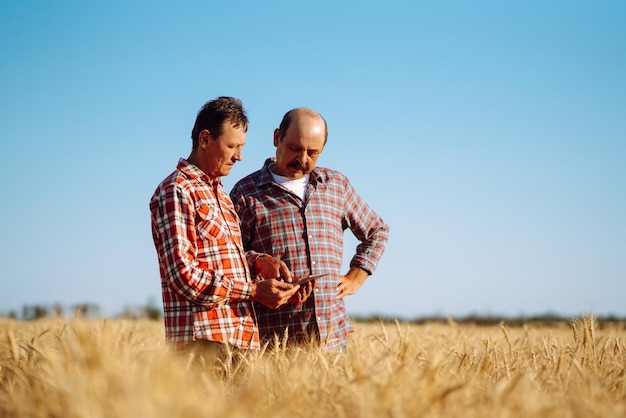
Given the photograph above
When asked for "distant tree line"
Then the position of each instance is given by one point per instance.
(84, 311)
(546, 319)
(153, 312)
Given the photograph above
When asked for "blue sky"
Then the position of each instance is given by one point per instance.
(491, 136)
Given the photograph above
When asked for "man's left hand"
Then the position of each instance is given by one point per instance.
(351, 282)
(303, 294)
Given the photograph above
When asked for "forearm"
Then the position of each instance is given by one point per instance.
(371, 249)
(205, 287)
(358, 274)
(370, 229)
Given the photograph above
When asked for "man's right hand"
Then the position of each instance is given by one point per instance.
(273, 293)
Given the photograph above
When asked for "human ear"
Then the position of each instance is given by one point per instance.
(205, 136)
(276, 137)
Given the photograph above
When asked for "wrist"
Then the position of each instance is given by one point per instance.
(253, 290)
(259, 258)
(358, 274)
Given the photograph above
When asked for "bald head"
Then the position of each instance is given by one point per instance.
(299, 141)
(298, 114)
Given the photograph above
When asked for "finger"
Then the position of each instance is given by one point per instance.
(292, 288)
(294, 299)
(306, 293)
(280, 286)
(341, 291)
(284, 272)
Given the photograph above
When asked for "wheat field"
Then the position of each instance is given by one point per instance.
(122, 368)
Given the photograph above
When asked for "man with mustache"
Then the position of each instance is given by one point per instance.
(297, 212)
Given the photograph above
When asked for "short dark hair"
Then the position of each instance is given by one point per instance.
(291, 115)
(215, 113)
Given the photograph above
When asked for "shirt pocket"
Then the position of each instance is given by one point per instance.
(210, 225)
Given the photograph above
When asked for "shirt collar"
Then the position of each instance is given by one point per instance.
(193, 172)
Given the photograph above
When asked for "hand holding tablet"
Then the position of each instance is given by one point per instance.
(306, 279)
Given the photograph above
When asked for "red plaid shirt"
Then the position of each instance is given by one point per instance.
(205, 278)
(308, 237)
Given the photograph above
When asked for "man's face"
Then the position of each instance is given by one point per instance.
(297, 152)
(221, 153)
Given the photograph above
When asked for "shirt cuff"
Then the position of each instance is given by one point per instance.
(241, 291)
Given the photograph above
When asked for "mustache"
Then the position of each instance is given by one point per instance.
(296, 165)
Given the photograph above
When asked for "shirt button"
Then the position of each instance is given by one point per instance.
(319, 318)
(314, 262)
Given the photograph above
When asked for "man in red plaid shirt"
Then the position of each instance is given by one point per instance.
(207, 289)
(298, 212)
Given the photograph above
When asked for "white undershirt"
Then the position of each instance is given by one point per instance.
(298, 187)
